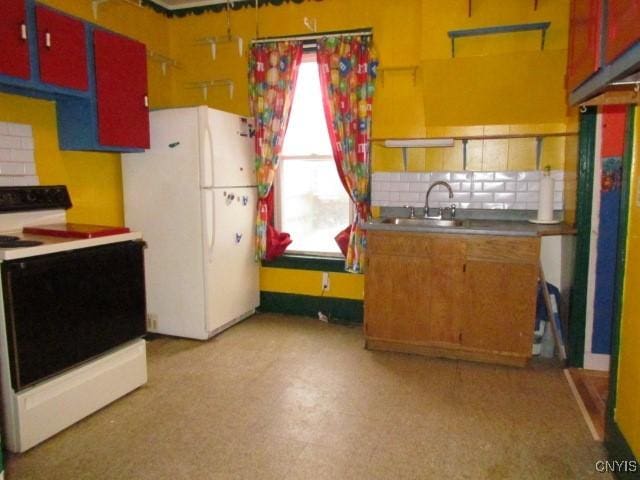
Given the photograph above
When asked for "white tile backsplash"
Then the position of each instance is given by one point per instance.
(17, 162)
(493, 186)
(503, 176)
(7, 141)
(494, 190)
(440, 176)
(483, 176)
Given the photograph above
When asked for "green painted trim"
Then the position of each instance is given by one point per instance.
(625, 198)
(618, 449)
(340, 310)
(586, 159)
(307, 262)
(216, 8)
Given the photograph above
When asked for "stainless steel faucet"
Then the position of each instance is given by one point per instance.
(452, 209)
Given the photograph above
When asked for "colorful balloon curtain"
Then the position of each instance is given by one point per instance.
(347, 76)
(273, 70)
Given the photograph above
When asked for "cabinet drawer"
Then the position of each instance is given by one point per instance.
(404, 244)
(415, 244)
(504, 249)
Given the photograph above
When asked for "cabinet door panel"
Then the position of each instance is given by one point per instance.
(14, 50)
(446, 297)
(121, 85)
(396, 299)
(61, 49)
(500, 298)
(622, 27)
(584, 41)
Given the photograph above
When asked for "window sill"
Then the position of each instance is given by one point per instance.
(307, 262)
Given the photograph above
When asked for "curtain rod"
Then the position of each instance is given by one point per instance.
(315, 36)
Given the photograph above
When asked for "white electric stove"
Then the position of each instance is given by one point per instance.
(73, 316)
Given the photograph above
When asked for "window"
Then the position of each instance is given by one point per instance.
(311, 202)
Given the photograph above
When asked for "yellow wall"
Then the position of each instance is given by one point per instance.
(303, 282)
(496, 84)
(628, 394)
(94, 179)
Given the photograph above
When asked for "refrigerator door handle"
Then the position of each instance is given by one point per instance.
(208, 213)
(207, 159)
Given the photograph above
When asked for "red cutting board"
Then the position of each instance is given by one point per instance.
(75, 230)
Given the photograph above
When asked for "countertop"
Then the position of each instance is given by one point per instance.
(511, 228)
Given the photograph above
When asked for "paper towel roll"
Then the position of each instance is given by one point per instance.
(545, 200)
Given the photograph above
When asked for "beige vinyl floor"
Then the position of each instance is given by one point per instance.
(282, 397)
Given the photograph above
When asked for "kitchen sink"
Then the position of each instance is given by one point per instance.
(422, 222)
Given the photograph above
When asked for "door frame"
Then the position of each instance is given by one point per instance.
(616, 445)
(586, 162)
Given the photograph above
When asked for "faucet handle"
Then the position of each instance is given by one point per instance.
(412, 211)
(453, 210)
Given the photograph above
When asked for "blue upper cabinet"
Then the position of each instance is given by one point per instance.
(48, 54)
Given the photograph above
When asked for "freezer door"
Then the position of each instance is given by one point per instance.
(233, 149)
(231, 272)
(176, 131)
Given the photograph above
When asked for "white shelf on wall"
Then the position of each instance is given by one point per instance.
(215, 41)
(416, 143)
(163, 60)
(205, 85)
(447, 142)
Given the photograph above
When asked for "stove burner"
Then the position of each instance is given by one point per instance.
(19, 243)
(8, 238)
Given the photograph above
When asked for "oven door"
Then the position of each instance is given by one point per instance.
(65, 308)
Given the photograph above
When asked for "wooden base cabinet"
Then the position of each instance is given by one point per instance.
(468, 297)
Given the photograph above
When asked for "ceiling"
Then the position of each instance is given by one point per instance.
(178, 4)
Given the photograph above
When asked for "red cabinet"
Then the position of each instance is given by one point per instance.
(584, 41)
(622, 26)
(62, 49)
(14, 46)
(121, 89)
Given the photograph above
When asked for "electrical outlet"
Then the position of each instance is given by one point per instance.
(152, 321)
(325, 281)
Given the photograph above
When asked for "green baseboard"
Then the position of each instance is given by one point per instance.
(339, 310)
(619, 451)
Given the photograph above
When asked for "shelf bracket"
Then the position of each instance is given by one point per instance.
(465, 160)
(521, 27)
(215, 41)
(539, 141)
(207, 84)
(405, 159)
(163, 60)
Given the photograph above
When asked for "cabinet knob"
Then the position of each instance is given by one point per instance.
(47, 39)
(23, 31)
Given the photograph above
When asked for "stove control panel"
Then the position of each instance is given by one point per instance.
(35, 197)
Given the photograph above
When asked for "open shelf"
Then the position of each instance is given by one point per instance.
(520, 27)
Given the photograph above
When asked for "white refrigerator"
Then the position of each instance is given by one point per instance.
(193, 196)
